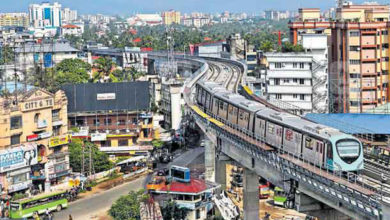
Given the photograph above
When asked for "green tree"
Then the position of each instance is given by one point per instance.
(289, 47)
(100, 159)
(266, 46)
(72, 71)
(128, 207)
(104, 66)
(171, 211)
(7, 55)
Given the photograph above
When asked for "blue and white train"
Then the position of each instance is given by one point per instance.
(324, 146)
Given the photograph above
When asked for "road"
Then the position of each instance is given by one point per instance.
(98, 204)
(94, 205)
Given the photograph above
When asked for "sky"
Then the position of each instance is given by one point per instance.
(126, 7)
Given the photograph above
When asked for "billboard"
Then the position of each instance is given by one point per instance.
(60, 140)
(98, 137)
(15, 158)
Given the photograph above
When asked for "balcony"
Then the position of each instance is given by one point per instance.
(41, 124)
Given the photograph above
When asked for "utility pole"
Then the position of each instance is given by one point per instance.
(82, 158)
(90, 159)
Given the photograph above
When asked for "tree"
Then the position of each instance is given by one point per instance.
(7, 55)
(128, 207)
(171, 211)
(104, 66)
(289, 47)
(266, 46)
(99, 159)
(72, 71)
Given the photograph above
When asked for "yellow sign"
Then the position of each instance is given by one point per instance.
(60, 140)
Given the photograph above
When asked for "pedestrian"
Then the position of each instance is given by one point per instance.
(70, 217)
(2, 206)
(48, 215)
(267, 216)
(36, 216)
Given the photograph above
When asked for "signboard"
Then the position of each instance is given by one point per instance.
(19, 186)
(82, 132)
(106, 96)
(98, 137)
(60, 140)
(32, 137)
(45, 134)
(42, 123)
(32, 105)
(18, 157)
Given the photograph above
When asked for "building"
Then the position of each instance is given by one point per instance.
(44, 54)
(114, 116)
(71, 29)
(68, 15)
(171, 17)
(34, 139)
(171, 104)
(358, 57)
(14, 19)
(45, 15)
(300, 79)
(145, 20)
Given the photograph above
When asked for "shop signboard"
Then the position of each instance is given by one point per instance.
(19, 186)
(106, 96)
(32, 137)
(46, 134)
(98, 137)
(59, 140)
(18, 157)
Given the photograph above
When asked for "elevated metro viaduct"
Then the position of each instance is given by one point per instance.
(316, 193)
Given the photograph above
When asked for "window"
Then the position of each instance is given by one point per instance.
(123, 142)
(277, 82)
(309, 143)
(385, 32)
(354, 103)
(16, 122)
(271, 128)
(354, 33)
(55, 114)
(354, 48)
(56, 130)
(15, 139)
(301, 65)
(354, 61)
(19, 178)
(107, 121)
(286, 81)
(302, 97)
(36, 118)
(301, 81)
(106, 143)
(135, 121)
(278, 65)
(96, 122)
(295, 80)
(121, 122)
(295, 96)
(278, 96)
(197, 214)
(295, 65)
(385, 59)
(385, 45)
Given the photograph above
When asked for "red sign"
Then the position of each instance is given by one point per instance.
(144, 49)
(32, 137)
(137, 40)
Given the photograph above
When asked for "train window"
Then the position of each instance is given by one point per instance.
(230, 109)
(221, 105)
(224, 106)
(241, 115)
(321, 147)
(289, 135)
(234, 111)
(308, 143)
(271, 128)
(216, 103)
(317, 147)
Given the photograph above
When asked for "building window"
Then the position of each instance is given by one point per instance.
(301, 81)
(354, 33)
(354, 103)
(354, 48)
(277, 82)
(355, 75)
(295, 80)
(278, 96)
(302, 97)
(278, 65)
(135, 121)
(295, 96)
(122, 122)
(20, 178)
(286, 81)
(385, 32)
(55, 114)
(15, 139)
(56, 130)
(295, 65)
(385, 45)
(16, 122)
(385, 59)
(301, 65)
(354, 61)
(107, 121)
(123, 142)
(96, 122)
(36, 118)
(106, 143)
(197, 214)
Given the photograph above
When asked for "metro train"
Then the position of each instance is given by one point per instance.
(323, 146)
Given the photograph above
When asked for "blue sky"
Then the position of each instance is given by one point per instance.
(125, 7)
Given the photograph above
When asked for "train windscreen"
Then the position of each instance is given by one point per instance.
(348, 150)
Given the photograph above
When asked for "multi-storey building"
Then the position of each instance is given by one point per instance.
(300, 79)
(14, 19)
(171, 103)
(114, 116)
(33, 141)
(68, 15)
(358, 57)
(45, 15)
(170, 17)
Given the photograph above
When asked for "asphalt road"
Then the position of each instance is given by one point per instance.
(94, 205)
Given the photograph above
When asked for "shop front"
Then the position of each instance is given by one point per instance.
(58, 167)
(15, 167)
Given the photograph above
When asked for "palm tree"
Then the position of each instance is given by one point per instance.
(103, 66)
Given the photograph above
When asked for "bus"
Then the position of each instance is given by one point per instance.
(264, 190)
(25, 208)
(280, 197)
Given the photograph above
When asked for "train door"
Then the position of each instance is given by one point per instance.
(329, 156)
(259, 128)
(292, 141)
(207, 105)
(319, 153)
(232, 114)
(216, 106)
(243, 119)
(274, 134)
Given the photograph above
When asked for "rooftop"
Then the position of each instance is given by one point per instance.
(354, 123)
(46, 48)
(195, 186)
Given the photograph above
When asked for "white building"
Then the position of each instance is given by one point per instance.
(300, 79)
(171, 104)
(145, 20)
(71, 29)
(45, 15)
(68, 15)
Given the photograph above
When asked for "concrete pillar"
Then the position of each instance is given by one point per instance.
(209, 154)
(385, 211)
(251, 195)
(220, 170)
